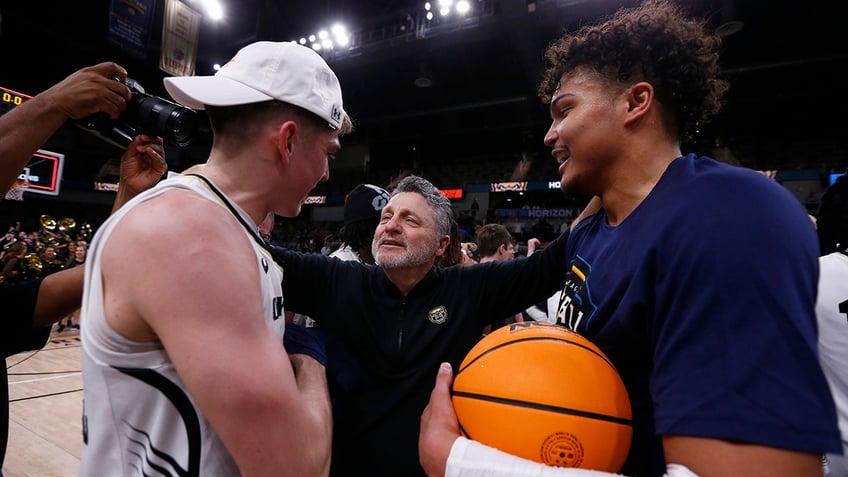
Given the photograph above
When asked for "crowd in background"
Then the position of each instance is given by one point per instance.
(29, 255)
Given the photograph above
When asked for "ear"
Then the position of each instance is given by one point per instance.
(286, 135)
(443, 245)
(640, 100)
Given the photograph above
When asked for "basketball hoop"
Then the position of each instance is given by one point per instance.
(17, 190)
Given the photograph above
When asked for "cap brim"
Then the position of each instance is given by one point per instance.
(197, 92)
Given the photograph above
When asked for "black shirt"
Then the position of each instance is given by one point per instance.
(384, 349)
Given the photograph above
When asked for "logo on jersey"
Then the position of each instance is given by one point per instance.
(438, 315)
(84, 424)
(264, 265)
(576, 306)
(278, 307)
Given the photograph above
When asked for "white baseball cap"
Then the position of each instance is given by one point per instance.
(263, 71)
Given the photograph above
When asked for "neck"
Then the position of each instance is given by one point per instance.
(634, 180)
(239, 188)
(406, 278)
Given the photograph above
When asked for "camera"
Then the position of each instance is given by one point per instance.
(145, 114)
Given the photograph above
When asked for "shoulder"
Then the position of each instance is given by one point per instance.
(181, 213)
(705, 193)
(705, 178)
(172, 230)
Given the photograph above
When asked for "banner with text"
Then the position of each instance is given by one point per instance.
(180, 29)
(130, 23)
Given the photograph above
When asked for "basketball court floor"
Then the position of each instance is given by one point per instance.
(45, 410)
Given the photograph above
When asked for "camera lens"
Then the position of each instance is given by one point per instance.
(159, 117)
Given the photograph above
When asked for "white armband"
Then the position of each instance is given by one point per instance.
(471, 459)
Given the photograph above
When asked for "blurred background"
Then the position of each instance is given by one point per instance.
(443, 89)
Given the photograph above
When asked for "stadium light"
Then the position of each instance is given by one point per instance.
(214, 9)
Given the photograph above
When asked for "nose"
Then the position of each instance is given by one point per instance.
(551, 135)
(392, 225)
(326, 176)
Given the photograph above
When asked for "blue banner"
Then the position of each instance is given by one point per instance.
(130, 25)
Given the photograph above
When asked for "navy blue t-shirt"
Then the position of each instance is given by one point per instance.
(703, 298)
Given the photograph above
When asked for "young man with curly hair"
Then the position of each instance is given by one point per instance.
(696, 278)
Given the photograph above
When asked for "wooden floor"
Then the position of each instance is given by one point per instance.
(45, 410)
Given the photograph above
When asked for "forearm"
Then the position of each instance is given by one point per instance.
(311, 380)
(59, 294)
(22, 131)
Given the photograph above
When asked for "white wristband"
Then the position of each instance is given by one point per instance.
(469, 458)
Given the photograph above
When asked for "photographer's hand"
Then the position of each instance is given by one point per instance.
(26, 127)
(142, 165)
(90, 90)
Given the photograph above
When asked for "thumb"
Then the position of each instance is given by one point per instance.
(444, 378)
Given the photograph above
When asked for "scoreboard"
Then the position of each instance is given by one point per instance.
(43, 171)
(10, 98)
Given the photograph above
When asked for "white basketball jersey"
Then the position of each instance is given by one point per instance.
(832, 315)
(138, 418)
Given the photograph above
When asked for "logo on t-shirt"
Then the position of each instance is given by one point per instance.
(576, 306)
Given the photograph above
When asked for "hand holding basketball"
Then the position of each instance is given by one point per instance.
(439, 427)
(541, 392)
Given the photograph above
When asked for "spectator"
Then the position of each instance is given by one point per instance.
(13, 262)
(361, 213)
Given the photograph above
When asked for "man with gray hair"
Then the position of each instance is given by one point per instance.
(398, 319)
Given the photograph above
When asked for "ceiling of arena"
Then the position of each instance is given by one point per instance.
(483, 69)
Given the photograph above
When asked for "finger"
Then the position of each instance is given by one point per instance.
(155, 155)
(111, 70)
(444, 378)
(115, 101)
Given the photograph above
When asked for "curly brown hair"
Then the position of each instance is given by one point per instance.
(654, 42)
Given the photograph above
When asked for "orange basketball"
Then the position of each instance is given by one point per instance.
(539, 391)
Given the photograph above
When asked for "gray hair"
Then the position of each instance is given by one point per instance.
(438, 202)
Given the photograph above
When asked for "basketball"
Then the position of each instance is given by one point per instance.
(539, 391)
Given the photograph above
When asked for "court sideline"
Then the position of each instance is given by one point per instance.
(45, 410)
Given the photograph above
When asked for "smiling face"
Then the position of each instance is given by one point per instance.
(584, 132)
(316, 145)
(408, 234)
